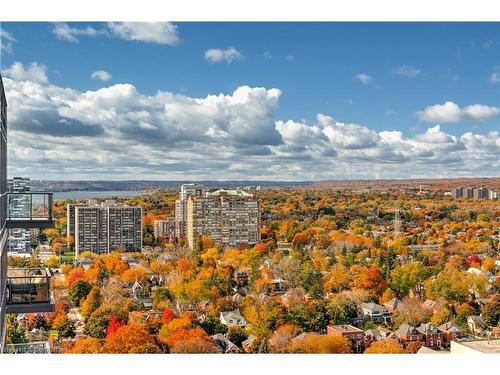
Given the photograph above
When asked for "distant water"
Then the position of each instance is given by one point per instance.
(84, 194)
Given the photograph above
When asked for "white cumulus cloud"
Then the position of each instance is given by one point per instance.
(68, 33)
(6, 40)
(118, 132)
(364, 78)
(217, 55)
(151, 32)
(34, 72)
(101, 75)
(451, 112)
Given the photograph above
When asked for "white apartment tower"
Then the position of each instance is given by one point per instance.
(187, 190)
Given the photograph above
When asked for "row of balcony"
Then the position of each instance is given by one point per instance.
(28, 289)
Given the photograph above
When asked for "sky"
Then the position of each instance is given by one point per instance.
(252, 101)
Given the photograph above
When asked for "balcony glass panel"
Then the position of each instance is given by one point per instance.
(29, 210)
(28, 286)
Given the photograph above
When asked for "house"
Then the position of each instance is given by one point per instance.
(247, 345)
(375, 312)
(451, 332)
(302, 337)
(355, 335)
(476, 324)
(131, 261)
(224, 345)
(184, 306)
(142, 294)
(476, 271)
(407, 333)
(232, 319)
(433, 337)
(392, 305)
(376, 334)
(241, 277)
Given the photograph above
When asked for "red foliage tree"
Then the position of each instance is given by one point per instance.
(373, 281)
(75, 275)
(113, 326)
(167, 316)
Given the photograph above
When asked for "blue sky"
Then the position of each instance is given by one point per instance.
(379, 76)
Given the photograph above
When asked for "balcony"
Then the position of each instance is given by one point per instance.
(41, 347)
(29, 210)
(28, 291)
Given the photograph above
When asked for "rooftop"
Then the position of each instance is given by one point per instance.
(481, 346)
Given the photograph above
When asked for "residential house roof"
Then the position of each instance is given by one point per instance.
(428, 329)
(406, 330)
(450, 327)
(224, 344)
(345, 328)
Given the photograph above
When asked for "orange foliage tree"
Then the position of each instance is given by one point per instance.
(130, 338)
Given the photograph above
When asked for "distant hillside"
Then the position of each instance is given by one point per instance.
(52, 185)
(427, 183)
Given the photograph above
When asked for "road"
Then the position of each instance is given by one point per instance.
(75, 316)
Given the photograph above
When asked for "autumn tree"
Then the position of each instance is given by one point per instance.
(491, 311)
(185, 335)
(97, 325)
(410, 311)
(194, 346)
(65, 328)
(91, 303)
(114, 325)
(87, 345)
(280, 339)
(130, 339)
(79, 291)
(385, 347)
(314, 343)
(408, 277)
(167, 316)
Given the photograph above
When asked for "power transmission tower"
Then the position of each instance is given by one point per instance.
(397, 222)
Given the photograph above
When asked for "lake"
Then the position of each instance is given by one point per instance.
(83, 194)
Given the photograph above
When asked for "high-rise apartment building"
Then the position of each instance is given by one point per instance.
(164, 229)
(187, 190)
(3, 213)
(468, 193)
(229, 217)
(22, 290)
(457, 193)
(106, 227)
(19, 205)
(480, 193)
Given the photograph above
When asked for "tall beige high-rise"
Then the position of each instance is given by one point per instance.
(229, 217)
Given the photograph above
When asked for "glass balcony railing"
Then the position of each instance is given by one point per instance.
(28, 290)
(29, 210)
(28, 348)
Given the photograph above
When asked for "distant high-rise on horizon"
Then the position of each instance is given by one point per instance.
(474, 193)
(229, 217)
